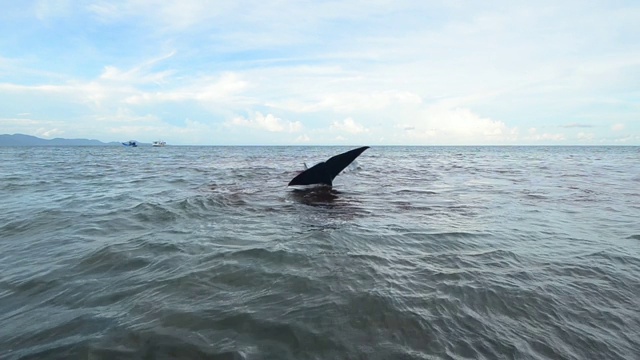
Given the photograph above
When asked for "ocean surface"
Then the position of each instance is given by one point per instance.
(416, 253)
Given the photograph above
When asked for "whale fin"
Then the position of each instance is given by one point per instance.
(325, 172)
(317, 174)
(339, 162)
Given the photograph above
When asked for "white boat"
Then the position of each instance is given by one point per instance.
(159, 143)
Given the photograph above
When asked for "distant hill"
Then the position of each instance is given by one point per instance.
(28, 140)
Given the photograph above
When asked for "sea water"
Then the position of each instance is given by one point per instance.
(416, 253)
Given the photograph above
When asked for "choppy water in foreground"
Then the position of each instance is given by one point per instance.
(418, 253)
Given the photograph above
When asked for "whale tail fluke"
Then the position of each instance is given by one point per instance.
(325, 172)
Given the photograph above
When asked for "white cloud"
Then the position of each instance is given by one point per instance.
(114, 87)
(136, 75)
(628, 139)
(188, 133)
(576, 125)
(269, 123)
(347, 102)
(48, 133)
(46, 9)
(169, 16)
(617, 127)
(304, 138)
(204, 90)
(553, 137)
(29, 126)
(348, 125)
(125, 116)
(585, 136)
(295, 126)
(17, 88)
(535, 136)
(444, 125)
(397, 72)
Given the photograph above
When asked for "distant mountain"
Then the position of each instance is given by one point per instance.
(28, 140)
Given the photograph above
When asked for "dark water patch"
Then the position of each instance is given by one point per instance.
(280, 337)
(57, 337)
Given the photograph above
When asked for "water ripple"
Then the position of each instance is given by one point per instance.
(417, 253)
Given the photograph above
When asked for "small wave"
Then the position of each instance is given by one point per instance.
(112, 258)
(414, 191)
(534, 196)
(281, 257)
(199, 205)
(65, 331)
(143, 344)
(147, 212)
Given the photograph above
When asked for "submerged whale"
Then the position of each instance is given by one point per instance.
(324, 172)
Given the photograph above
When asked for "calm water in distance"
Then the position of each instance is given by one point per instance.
(416, 253)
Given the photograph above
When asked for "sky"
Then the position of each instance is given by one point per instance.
(347, 72)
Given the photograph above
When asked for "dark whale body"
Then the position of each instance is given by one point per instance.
(324, 172)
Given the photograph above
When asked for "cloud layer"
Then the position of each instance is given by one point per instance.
(336, 72)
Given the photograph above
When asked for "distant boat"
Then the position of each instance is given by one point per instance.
(131, 143)
(159, 143)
